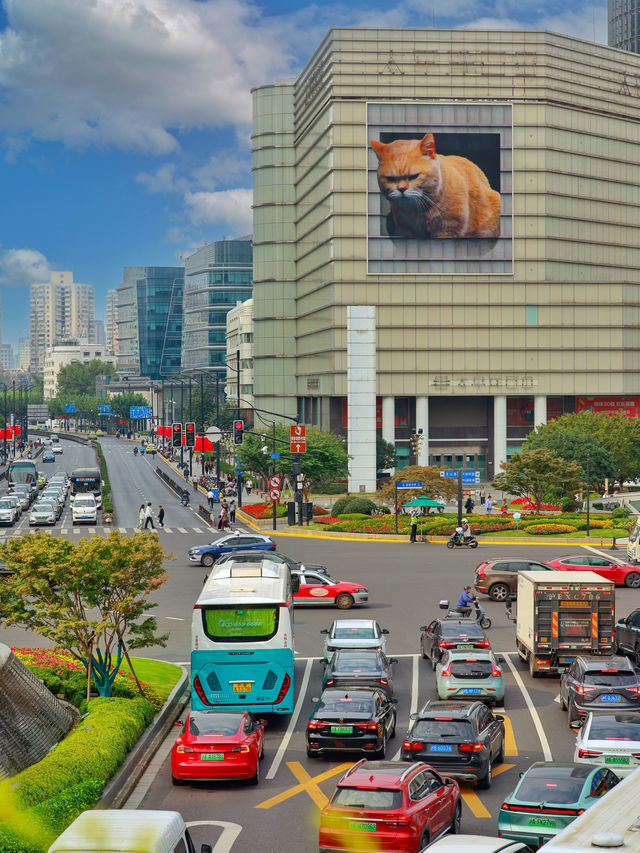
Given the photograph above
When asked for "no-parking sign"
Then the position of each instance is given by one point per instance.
(274, 494)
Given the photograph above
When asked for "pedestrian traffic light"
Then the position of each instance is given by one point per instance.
(190, 434)
(176, 435)
(238, 432)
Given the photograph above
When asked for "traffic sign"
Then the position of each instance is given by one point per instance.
(298, 446)
(213, 433)
(409, 485)
(275, 481)
(70, 408)
(104, 410)
(275, 455)
(274, 494)
(297, 431)
(140, 412)
(468, 477)
(297, 438)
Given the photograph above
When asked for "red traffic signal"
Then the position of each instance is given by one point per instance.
(238, 432)
(190, 434)
(176, 435)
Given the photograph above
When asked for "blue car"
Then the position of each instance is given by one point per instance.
(48, 456)
(206, 555)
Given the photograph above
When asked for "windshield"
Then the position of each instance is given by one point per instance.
(552, 785)
(240, 624)
(5, 504)
(214, 723)
(613, 678)
(435, 729)
(614, 728)
(354, 633)
(84, 502)
(367, 798)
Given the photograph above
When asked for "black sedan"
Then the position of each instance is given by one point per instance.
(448, 633)
(359, 720)
(359, 668)
(460, 740)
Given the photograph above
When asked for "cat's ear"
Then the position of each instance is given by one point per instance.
(428, 146)
(378, 147)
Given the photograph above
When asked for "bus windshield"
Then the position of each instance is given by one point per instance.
(22, 472)
(86, 480)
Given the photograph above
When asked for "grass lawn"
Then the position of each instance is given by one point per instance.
(161, 676)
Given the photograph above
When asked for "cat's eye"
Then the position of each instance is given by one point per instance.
(394, 179)
(413, 177)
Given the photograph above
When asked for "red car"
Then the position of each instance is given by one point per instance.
(389, 805)
(218, 745)
(621, 573)
(319, 589)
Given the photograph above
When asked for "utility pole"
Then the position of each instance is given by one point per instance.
(218, 425)
(14, 417)
(202, 418)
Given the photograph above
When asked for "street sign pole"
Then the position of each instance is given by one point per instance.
(460, 497)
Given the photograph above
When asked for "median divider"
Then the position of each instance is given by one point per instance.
(178, 488)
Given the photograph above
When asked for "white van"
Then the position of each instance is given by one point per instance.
(127, 831)
(633, 544)
(84, 509)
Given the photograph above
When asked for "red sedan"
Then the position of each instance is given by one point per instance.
(218, 745)
(621, 573)
(318, 589)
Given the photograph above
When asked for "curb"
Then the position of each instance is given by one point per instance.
(120, 787)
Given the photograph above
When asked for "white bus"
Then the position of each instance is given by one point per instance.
(242, 641)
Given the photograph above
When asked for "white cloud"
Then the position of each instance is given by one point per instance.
(163, 180)
(227, 207)
(22, 267)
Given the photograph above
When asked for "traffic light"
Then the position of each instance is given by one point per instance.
(190, 434)
(176, 435)
(238, 432)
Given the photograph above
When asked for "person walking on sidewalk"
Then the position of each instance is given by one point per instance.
(210, 497)
(140, 517)
(232, 511)
(148, 517)
(489, 505)
(248, 483)
(161, 515)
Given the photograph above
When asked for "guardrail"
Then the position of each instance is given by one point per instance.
(205, 515)
(178, 488)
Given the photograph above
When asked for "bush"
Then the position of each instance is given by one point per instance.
(59, 811)
(383, 509)
(569, 505)
(621, 512)
(548, 529)
(340, 506)
(363, 505)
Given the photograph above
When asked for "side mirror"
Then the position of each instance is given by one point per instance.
(444, 604)
(393, 701)
(423, 627)
(413, 716)
(448, 780)
(385, 630)
(499, 718)
(393, 660)
(324, 631)
(622, 621)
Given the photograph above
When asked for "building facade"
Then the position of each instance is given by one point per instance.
(59, 309)
(149, 321)
(111, 322)
(24, 353)
(216, 277)
(240, 353)
(624, 24)
(493, 313)
(100, 337)
(8, 359)
(62, 355)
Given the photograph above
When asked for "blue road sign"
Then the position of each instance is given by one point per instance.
(140, 412)
(468, 477)
(104, 410)
(70, 408)
(409, 485)
(448, 473)
(275, 456)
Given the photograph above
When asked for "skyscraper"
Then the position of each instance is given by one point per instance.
(24, 353)
(624, 24)
(149, 326)
(99, 337)
(7, 357)
(111, 321)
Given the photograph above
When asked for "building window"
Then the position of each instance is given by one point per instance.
(531, 315)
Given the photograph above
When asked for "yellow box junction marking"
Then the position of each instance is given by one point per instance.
(510, 747)
(474, 803)
(307, 783)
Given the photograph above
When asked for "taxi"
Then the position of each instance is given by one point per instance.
(319, 589)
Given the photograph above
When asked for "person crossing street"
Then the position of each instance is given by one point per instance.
(148, 517)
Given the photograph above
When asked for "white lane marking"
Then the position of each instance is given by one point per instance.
(174, 618)
(557, 699)
(537, 722)
(230, 831)
(182, 530)
(284, 743)
(413, 707)
(167, 530)
(122, 529)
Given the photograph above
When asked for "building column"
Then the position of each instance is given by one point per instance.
(422, 422)
(539, 410)
(389, 423)
(499, 432)
(361, 397)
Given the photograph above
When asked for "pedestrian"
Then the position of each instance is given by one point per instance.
(469, 505)
(210, 497)
(232, 511)
(503, 509)
(414, 525)
(161, 515)
(482, 497)
(224, 519)
(489, 505)
(148, 517)
(248, 484)
(141, 515)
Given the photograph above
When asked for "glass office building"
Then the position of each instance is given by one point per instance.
(624, 25)
(216, 277)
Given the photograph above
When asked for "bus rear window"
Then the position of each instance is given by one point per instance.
(240, 624)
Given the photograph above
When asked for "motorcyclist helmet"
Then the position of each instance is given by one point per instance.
(464, 520)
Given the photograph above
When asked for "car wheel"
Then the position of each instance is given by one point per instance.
(632, 580)
(499, 592)
(207, 560)
(344, 601)
(424, 840)
(573, 714)
(456, 820)
(484, 782)
(256, 777)
(392, 733)
(380, 753)
(311, 753)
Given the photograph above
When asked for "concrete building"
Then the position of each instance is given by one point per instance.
(59, 309)
(111, 321)
(216, 277)
(68, 353)
(624, 26)
(100, 337)
(24, 353)
(8, 359)
(149, 321)
(481, 332)
(240, 353)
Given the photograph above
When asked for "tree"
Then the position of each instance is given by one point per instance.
(433, 485)
(121, 404)
(91, 596)
(76, 379)
(539, 475)
(581, 447)
(385, 454)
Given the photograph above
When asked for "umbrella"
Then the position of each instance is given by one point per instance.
(424, 502)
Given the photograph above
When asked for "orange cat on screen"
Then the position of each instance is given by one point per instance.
(435, 195)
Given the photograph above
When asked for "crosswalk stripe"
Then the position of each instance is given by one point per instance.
(167, 530)
(197, 530)
(182, 530)
(122, 529)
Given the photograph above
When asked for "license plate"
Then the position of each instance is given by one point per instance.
(465, 646)
(362, 827)
(212, 756)
(541, 821)
(616, 759)
(242, 687)
(341, 730)
(440, 747)
(472, 691)
(610, 697)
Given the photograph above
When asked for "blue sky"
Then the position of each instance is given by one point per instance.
(125, 124)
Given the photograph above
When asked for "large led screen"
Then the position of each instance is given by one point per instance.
(439, 189)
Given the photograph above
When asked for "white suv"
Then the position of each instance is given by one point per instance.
(85, 509)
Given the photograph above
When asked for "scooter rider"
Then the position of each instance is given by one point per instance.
(185, 497)
(464, 532)
(465, 601)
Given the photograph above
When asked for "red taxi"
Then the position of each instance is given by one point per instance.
(319, 589)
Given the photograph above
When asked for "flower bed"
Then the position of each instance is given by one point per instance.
(548, 529)
(264, 510)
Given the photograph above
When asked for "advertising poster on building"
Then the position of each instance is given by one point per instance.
(439, 188)
(609, 405)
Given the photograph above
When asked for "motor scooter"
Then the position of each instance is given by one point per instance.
(480, 616)
(457, 541)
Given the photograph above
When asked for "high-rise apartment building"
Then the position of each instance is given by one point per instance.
(99, 336)
(8, 362)
(59, 309)
(216, 277)
(149, 324)
(624, 26)
(111, 322)
(24, 353)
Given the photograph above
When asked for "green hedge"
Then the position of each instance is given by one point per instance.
(107, 504)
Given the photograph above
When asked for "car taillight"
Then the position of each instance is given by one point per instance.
(381, 681)
(398, 821)
(505, 807)
(182, 749)
(583, 752)
(412, 745)
(283, 689)
(495, 672)
(482, 644)
(445, 644)
(316, 724)
(330, 681)
(581, 689)
(446, 672)
(636, 754)
(243, 748)
(471, 747)
(197, 686)
(635, 688)
(480, 572)
(372, 727)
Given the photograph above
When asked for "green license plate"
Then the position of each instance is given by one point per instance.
(212, 756)
(616, 759)
(467, 646)
(541, 821)
(341, 730)
(362, 827)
